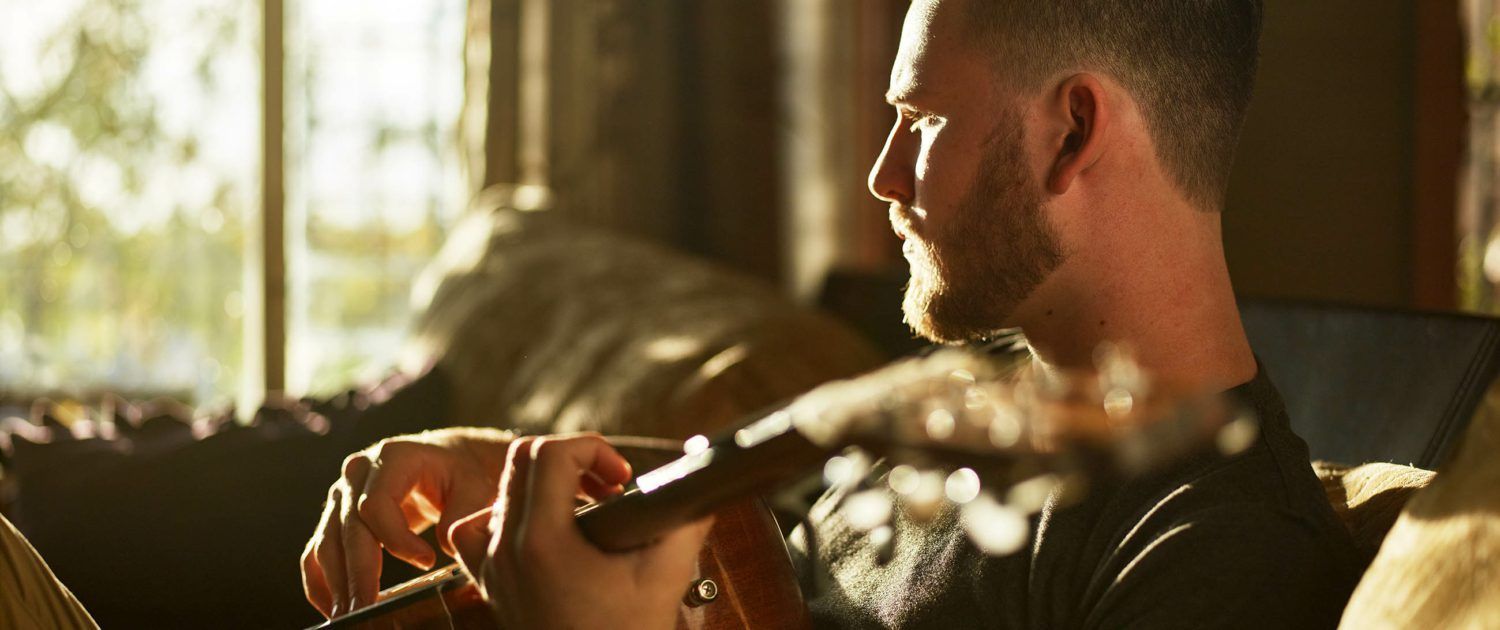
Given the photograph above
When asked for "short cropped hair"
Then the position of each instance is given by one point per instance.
(1190, 64)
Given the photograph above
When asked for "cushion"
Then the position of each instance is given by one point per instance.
(1368, 498)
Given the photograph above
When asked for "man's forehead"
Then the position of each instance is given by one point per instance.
(926, 41)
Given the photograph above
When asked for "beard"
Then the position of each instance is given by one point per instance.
(970, 275)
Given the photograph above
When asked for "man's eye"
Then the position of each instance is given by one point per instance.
(921, 120)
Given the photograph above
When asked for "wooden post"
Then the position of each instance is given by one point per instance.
(1441, 125)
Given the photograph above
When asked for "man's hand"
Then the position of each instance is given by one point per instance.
(389, 493)
(535, 567)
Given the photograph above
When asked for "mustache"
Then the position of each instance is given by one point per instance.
(902, 222)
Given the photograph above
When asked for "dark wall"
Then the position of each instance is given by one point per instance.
(1321, 202)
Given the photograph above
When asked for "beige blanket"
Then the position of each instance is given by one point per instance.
(1440, 564)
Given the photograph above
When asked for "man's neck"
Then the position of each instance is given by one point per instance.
(1173, 309)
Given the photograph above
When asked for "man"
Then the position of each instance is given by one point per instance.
(1055, 166)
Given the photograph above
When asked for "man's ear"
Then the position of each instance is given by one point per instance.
(1082, 116)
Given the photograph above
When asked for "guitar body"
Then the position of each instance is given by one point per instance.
(745, 557)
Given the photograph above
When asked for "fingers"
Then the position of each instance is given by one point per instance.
(417, 514)
(557, 464)
(380, 509)
(314, 586)
(385, 495)
(413, 485)
(674, 556)
(361, 560)
(328, 551)
(508, 518)
(361, 549)
(526, 551)
(612, 469)
(465, 498)
(596, 488)
(471, 539)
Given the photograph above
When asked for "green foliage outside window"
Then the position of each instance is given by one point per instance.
(123, 197)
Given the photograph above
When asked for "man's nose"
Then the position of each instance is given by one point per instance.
(891, 176)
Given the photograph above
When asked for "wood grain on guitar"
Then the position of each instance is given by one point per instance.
(952, 410)
(744, 562)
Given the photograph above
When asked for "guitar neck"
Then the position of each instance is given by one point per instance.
(696, 485)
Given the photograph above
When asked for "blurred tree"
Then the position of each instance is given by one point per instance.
(121, 238)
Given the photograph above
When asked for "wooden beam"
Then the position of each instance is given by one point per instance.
(1441, 126)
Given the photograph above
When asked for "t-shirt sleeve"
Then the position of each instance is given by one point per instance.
(1228, 566)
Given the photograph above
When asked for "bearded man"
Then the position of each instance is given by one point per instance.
(1056, 166)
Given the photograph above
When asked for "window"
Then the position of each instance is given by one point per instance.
(130, 188)
(373, 177)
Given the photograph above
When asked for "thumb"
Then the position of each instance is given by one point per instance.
(674, 557)
(466, 500)
(471, 539)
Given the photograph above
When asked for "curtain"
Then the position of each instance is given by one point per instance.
(657, 119)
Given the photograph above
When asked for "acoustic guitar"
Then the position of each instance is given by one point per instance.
(950, 410)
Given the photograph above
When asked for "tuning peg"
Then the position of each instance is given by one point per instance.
(846, 469)
(883, 541)
(1238, 434)
(1118, 369)
(867, 510)
(921, 491)
(962, 486)
(940, 424)
(1005, 425)
(997, 529)
(1031, 495)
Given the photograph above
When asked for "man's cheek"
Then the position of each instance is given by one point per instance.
(924, 173)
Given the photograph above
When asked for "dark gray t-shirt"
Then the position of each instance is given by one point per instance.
(1248, 541)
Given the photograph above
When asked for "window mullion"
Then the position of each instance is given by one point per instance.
(273, 200)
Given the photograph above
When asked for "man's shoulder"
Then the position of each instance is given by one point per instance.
(1231, 502)
(1230, 564)
(1226, 542)
(1216, 510)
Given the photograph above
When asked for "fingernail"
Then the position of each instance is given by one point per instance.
(338, 609)
(355, 604)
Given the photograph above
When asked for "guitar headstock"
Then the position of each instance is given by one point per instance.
(998, 438)
(955, 402)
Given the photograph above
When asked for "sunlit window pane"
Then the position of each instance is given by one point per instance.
(129, 166)
(374, 92)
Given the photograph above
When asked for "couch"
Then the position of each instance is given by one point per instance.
(157, 515)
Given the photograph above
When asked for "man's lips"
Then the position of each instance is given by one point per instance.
(902, 225)
(901, 222)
